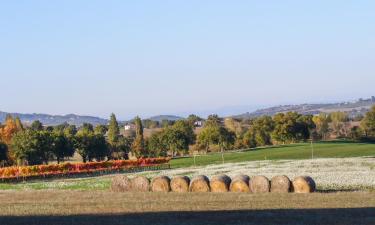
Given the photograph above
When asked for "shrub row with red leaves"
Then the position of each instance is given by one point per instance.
(76, 168)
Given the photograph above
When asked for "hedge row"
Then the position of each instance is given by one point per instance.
(77, 168)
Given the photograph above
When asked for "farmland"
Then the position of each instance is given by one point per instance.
(330, 149)
(343, 171)
(353, 167)
(83, 207)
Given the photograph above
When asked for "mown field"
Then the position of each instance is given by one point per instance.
(99, 207)
(338, 167)
(331, 149)
(280, 160)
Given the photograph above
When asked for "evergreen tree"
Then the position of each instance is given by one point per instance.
(113, 130)
(19, 124)
(138, 146)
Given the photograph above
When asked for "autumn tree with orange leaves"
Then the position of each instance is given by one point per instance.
(8, 130)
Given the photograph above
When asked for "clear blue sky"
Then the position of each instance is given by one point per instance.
(174, 57)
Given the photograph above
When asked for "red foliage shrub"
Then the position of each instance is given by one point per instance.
(76, 168)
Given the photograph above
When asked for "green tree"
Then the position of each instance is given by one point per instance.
(90, 145)
(3, 153)
(291, 127)
(157, 144)
(339, 120)
(87, 127)
(61, 146)
(321, 122)
(113, 130)
(214, 133)
(368, 123)
(138, 146)
(36, 125)
(32, 147)
(70, 131)
(100, 129)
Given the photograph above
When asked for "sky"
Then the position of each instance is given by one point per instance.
(179, 57)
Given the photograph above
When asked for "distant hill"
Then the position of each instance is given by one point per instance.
(355, 108)
(55, 119)
(165, 117)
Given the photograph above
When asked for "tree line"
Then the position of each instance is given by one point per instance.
(38, 144)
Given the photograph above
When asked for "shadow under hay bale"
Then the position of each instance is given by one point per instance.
(220, 183)
(121, 183)
(161, 184)
(259, 184)
(180, 184)
(280, 184)
(240, 184)
(303, 184)
(140, 184)
(200, 184)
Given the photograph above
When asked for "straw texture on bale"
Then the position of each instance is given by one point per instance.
(140, 184)
(161, 184)
(220, 183)
(121, 183)
(259, 184)
(180, 184)
(280, 184)
(240, 183)
(200, 184)
(303, 184)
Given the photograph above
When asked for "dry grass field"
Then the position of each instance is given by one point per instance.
(346, 194)
(104, 207)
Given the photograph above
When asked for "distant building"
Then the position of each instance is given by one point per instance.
(129, 126)
(373, 98)
(198, 123)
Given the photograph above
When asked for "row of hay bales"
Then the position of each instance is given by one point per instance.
(220, 183)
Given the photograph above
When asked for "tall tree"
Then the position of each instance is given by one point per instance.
(321, 122)
(368, 123)
(113, 130)
(138, 145)
(339, 123)
(19, 124)
(3, 153)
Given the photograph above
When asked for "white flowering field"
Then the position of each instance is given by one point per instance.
(329, 174)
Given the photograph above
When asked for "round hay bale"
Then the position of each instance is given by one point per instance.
(161, 184)
(180, 184)
(140, 184)
(303, 184)
(220, 183)
(280, 184)
(240, 183)
(259, 184)
(121, 184)
(200, 184)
